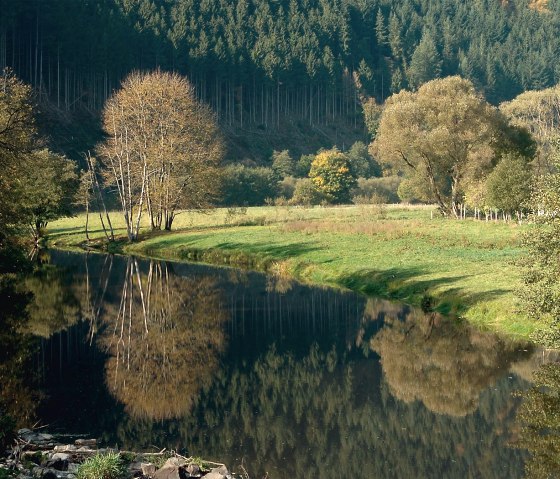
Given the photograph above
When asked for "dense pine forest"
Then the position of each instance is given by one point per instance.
(265, 64)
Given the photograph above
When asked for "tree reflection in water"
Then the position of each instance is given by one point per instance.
(444, 367)
(300, 391)
(539, 421)
(164, 341)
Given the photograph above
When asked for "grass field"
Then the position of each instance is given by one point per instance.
(396, 252)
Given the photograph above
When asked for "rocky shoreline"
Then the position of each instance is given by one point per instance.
(40, 455)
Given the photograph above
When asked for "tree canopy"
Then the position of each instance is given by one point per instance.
(162, 149)
(440, 136)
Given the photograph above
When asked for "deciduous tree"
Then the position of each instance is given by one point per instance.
(162, 150)
(331, 174)
(443, 134)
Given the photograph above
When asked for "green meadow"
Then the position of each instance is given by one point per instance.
(465, 268)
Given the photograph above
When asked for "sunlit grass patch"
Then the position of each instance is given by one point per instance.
(399, 252)
(102, 466)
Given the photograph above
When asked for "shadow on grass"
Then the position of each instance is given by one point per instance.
(259, 256)
(406, 285)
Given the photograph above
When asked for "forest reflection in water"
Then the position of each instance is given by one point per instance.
(296, 381)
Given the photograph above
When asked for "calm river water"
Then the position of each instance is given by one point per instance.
(288, 379)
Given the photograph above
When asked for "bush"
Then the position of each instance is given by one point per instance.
(286, 187)
(245, 186)
(102, 466)
(332, 176)
(376, 190)
(306, 194)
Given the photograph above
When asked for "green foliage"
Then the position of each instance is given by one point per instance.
(385, 187)
(540, 295)
(306, 194)
(425, 64)
(282, 163)
(102, 466)
(50, 189)
(17, 139)
(508, 186)
(331, 174)
(539, 418)
(372, 116)
(245, 186)
(440, 136)
(303, 166)
(361, 163)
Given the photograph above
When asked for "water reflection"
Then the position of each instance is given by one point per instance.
(293, 380)
(18, 391)
(445, 368)
(163, 341)
(539, 421)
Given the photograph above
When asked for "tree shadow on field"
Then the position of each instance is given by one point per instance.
(409, 286)
(271, 250)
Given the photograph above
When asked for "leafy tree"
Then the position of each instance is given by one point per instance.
(332, 175)
(306, 193)
(361, 163)
(162, 150)
(508, 186)
(539, 113)
(245, 186)
(282, 163)
(372, 116)
(303, 165)
(50, 190)
(442, 134)
(17, 140)
(36, 185)
(540, 294)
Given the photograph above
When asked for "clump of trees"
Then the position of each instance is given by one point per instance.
(162, 151)
(444, 138)
(36, 185)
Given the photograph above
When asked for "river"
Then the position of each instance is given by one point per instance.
(284, 378)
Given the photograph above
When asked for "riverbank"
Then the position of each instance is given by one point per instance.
(40, 455)
(464, 268)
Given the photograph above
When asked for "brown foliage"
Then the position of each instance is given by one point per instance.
(162, 150)
(164, 343)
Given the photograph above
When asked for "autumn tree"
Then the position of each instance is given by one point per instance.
(162, 150)
(443, 134)
(539, 112)
(332, 176)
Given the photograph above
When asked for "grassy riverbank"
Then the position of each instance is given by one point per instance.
(394, 252)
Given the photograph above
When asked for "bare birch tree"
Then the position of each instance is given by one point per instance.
(162, 151)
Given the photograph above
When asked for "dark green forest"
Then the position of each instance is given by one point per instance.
(267, 64)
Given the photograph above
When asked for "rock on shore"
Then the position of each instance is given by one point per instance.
(40, 455)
